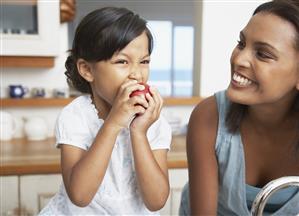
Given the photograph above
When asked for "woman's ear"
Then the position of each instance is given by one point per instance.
(85, 70)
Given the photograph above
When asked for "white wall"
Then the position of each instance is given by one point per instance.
(222, 22)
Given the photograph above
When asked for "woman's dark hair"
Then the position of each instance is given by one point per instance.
(289, 11)
(99, 35)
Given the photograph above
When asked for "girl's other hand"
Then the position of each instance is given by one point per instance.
(143, 121)
(124, 107)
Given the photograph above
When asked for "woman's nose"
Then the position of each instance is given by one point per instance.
(241, 58)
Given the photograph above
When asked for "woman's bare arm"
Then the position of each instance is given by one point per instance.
(202, 163)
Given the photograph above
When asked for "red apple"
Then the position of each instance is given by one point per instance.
(141, 92)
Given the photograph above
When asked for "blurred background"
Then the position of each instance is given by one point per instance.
(193, 41)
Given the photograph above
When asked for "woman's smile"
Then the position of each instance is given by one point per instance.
(239, 80)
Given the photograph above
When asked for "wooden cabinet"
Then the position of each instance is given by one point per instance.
(29, 28)
(27, 195)
(30, 193)
(9, 195)
(177, 180)
(37, 190)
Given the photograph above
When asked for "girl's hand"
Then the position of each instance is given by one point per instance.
(124, 108)
(143, 121)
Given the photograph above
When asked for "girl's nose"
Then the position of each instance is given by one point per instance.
(136, 74)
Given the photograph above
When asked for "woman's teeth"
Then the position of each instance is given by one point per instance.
(243, 81)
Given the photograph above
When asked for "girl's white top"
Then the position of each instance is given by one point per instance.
(118, 194)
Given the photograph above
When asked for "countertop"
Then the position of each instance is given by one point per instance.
(23, 157)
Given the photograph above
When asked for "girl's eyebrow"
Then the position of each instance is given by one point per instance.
(128, 56)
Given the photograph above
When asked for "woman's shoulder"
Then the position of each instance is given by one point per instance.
(202, 127)
(207, 120)
(206, 111)
(211, 110)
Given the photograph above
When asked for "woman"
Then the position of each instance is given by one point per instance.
(242, 138)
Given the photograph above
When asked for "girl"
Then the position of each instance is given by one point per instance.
(113, 146)
(244, 137)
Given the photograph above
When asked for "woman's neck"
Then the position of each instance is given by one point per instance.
(273, 116)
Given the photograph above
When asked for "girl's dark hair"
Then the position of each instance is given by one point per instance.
(99, 35)
(289, 11)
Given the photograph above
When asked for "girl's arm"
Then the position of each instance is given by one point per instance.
(151, 166)
(83, 171)
(202, 163)
(152, 172)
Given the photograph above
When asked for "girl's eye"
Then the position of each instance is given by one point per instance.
(121, 62)
(240, 44)
(145, 62)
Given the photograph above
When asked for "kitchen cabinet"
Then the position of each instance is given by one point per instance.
(37, 190)
(9, 194)
(30, 193)
(177, 180)
(29, 28)
(27, 194)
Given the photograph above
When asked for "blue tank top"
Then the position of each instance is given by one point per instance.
(235, 197)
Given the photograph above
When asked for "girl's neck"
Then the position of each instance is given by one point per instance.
(102, 107)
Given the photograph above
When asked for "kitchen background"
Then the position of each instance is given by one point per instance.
(193, 43)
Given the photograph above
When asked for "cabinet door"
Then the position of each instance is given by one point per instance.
(30, 28)
(37, 190)
(177, 180)
(9, 194)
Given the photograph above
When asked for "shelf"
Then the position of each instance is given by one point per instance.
(19, 2)
(56, 102)
(35, 102)
(26, 61)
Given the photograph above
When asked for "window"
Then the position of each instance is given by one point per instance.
(172, 58)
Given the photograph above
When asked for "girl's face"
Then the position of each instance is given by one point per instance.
(264, 64)
(130, 63)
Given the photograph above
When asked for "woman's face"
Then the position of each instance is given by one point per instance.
(130, 63)
(264, 64)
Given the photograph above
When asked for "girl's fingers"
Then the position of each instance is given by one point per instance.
(139, 109)
(126, 85)
(157, 100)
(132, 86)
(151, 102)
(139, 100)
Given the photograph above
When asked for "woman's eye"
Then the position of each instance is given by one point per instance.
(240, 44)
(145, 62)
(121, 62)
(264, 55)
